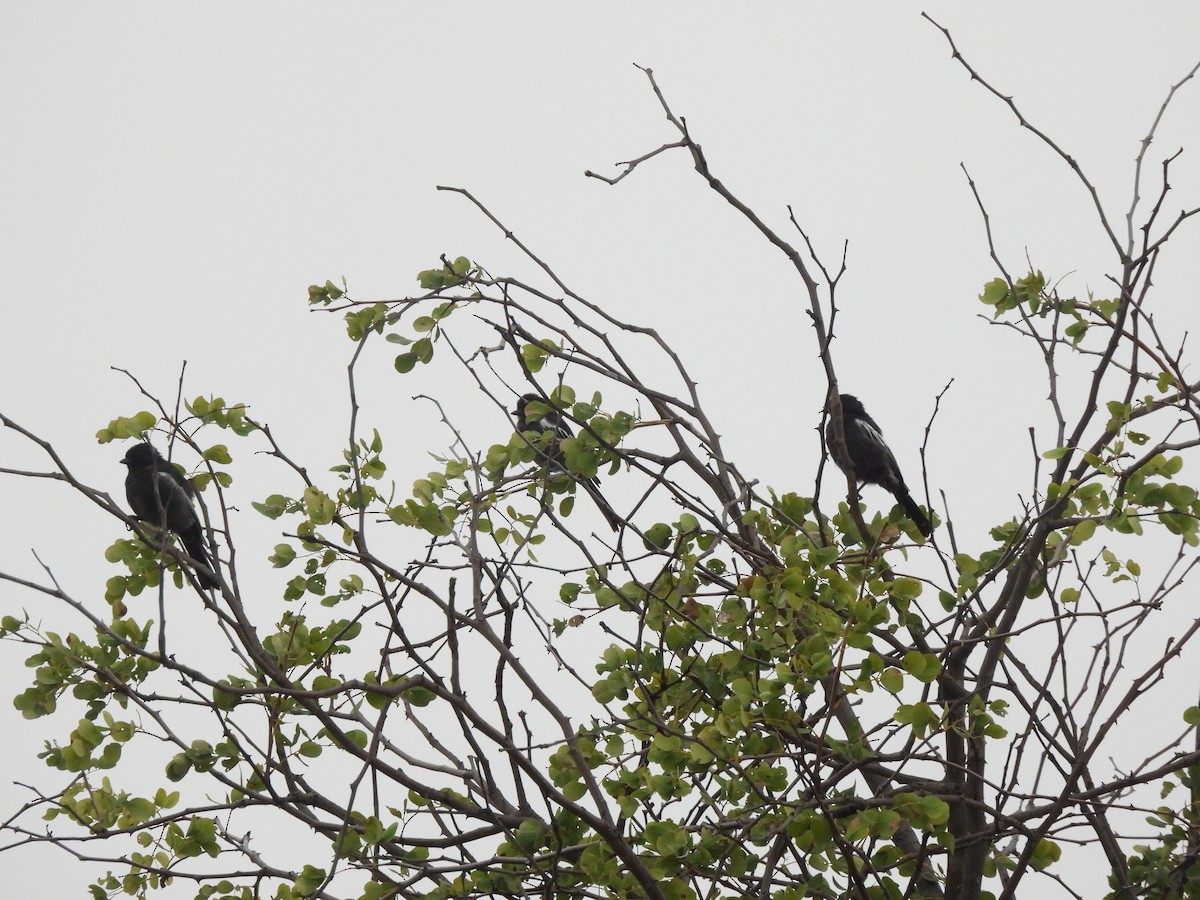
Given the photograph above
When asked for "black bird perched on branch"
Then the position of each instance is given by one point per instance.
(552, 455)
(160, 495)
(870, 459)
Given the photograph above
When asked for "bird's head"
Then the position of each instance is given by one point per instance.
(140, 455)
(523, 404)
(851, 406)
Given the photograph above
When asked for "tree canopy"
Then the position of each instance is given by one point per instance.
(469, 687)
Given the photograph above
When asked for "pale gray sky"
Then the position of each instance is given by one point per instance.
(174, 176)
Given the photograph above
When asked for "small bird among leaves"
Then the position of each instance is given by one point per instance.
(870, 460)
(161, 496)
(552, 422)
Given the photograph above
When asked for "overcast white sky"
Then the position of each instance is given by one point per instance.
(173, 177)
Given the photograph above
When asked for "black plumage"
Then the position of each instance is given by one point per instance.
(551, 456)
(160, 495)
(870, 459)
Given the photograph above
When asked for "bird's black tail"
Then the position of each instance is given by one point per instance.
(193, 542)
(914, 512)
(592, 486)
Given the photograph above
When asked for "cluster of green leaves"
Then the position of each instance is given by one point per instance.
(173, 844)
(717, 691)
(591, 447)
(325, 294)
(79, 753)
(97, 804)
(299, 645)
(437, 499)
(92, 672)
(215, 411)
(364, 318)
(202, 756)
(144, 567)
(1029, 295)
(1141, 494)
(420, 349)
(1121, 487)
(1133, 495)
(449, 275)
(709, 705)
(209, 410)
(1102, 310)
(793, 515)
(424, 510)
(88, 671)
(317, 510)
(1028, 292)
(1168, 867)
(443, 497)
(1150, 490)
(124, 427)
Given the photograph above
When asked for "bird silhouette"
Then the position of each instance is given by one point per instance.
(870, 460)
(160, 496)
(553, 422)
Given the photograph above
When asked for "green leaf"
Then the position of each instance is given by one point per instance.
(534, 357)
(892, 680)
(530, 835)
(224, 700)
(310, 880)
(994, 292)
(422, 350)
(178, 767)
(667, 838)
(283, 556)
(273, 507)
(218, 453)
(922, 666)
(114, 588)
(1083, 531)
(419, 696)
(657, 537)
(1045, 854)
(432, 279)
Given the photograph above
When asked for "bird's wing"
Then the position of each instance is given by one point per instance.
(872, 436)
(175, 500)
(556, 423)
(871, 433)
(866, 420)
(168, 468)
